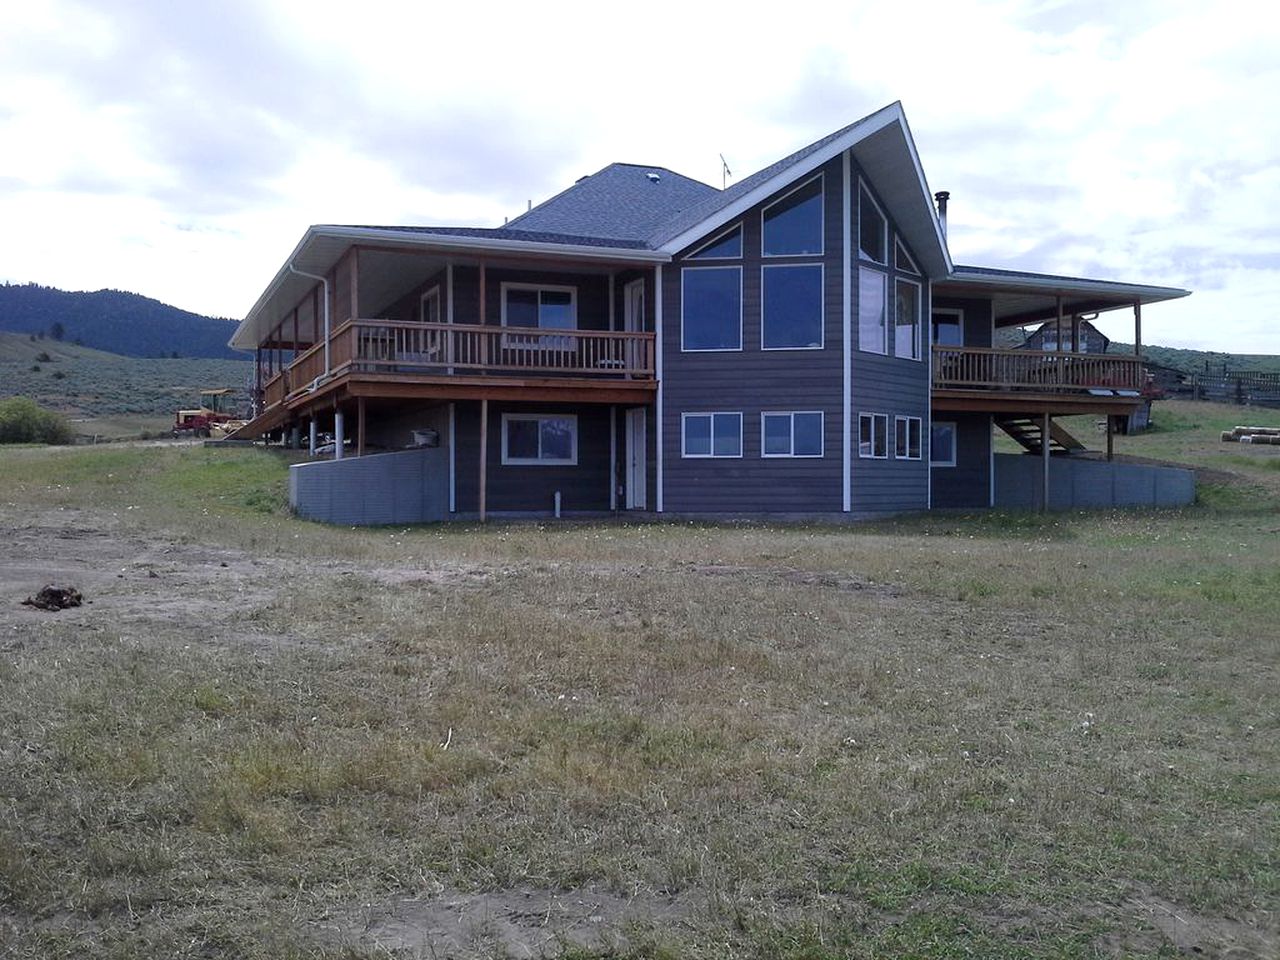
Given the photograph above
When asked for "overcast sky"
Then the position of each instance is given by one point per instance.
(180, 149)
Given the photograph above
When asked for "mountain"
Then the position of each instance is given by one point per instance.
(115, 321)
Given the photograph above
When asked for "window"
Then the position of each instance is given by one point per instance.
(906, 320)
(540, 439)
(711, 434)
(793, 226)
(903, 260)
(429, 308)
(872, 335)
(873, 435)
(726, 246)
(942, 444)
(791, 304)
(711, 308)
(907, 431)
(530, 305)
(791, 434)
(872, 229)
(948, 328)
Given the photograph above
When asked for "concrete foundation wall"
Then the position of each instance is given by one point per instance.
(409, 486)
(1089, 484)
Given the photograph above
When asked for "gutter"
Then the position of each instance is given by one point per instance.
(325, 280)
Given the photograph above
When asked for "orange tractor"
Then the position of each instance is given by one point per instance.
(212, 417)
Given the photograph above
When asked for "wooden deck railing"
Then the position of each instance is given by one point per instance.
(1031, 371)
(455, 349)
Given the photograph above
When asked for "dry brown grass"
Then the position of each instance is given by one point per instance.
(945, 736)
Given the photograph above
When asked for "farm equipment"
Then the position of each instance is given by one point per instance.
(213, 416)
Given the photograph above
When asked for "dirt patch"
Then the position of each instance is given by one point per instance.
(519, 923)
(826, 580)
(1190, 933)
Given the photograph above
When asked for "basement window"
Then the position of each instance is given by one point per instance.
(907, 445)
(796, 434)
(873, 435)
(711, 435)
(539, 439)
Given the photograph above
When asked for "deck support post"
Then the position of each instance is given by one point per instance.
(314, 437)
(1044, 462)
(339, 434)
(484, 454)
(1110, 436)
(360, 426)
(258, 405)
(295, 437)
(1137, 328)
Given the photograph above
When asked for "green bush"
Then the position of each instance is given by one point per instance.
(22, 420)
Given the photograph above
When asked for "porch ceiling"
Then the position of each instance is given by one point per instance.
(1022, 298)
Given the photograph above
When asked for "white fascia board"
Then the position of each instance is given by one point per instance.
(245, 337)
(924, 187)
(1106, 288)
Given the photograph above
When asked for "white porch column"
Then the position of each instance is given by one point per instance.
(313, 432)
(338, 434)
(1044, 462)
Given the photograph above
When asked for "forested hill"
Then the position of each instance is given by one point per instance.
(115, 321)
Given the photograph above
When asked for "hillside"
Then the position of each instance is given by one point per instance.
(113, 320)
(82, 381)
(1186, 361)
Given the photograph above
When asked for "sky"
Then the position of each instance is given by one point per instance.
(181, 149)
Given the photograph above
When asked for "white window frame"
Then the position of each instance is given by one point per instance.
(683, 302)
(513, 339)
(919, 353)
(948, 311)
(822, 293)
(712, 455)
(791, 415)
(822, 219)
(955, 442)
(900, 247)
(906, 455)
(572, 461)
(742, 244)
(883, 420)
(888, 254)
(885, 315)
(432, 294)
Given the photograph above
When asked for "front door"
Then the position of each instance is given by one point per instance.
(637, 465)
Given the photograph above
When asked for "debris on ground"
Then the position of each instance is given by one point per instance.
(51, 597)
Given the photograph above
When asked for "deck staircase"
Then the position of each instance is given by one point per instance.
(1028, 433)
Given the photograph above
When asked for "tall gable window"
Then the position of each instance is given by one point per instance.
(791, 306)
(711, 308)
(793, 226)
(873, 229)
(902, 259)
(872, 294)
(727, 246)
(906, 320)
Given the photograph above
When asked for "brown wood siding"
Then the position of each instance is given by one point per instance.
(753, 380)
(531, 488)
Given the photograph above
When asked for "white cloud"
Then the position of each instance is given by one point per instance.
(180, 149)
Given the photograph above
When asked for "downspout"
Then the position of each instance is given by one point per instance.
(325, 281)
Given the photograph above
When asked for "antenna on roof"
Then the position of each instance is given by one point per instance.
(725, 172)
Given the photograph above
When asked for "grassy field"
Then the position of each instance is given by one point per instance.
(995, 735)
(129, 394)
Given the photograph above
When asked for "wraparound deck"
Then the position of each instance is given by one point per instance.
(988, 379)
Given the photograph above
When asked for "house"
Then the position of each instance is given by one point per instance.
(800, 343)
(1076, 335)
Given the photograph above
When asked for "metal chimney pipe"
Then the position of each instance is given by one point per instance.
(941, 198)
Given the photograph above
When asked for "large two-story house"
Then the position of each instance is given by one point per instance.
(797, 344)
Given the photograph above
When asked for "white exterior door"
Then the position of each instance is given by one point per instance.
(637, 465)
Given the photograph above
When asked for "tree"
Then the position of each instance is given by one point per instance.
(22, 420)
(56, 331)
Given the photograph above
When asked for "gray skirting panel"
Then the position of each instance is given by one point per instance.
(409, 486)
(1089, 484)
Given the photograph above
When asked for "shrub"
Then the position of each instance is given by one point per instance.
(22, 420)
(43, 357)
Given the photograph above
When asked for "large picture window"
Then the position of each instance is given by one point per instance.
(907, 439)
(906, 320)
(873, 229)
(793, 226)
(538, 439)
(711, 308)
(872, 292)
(873, 435)
(797, 434)
(711, 434)
(791, 300)
(529, 305)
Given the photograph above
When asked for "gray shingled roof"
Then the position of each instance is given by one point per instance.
(622, 202)
(963, 271)
(506, 233)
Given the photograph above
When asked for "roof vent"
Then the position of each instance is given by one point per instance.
(653, 177)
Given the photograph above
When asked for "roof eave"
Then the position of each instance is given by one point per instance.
(1143, 293)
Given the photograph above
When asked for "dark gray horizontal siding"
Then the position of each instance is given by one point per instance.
(753, 380)
(528, 487)
(897, 388)
(968, 483)
(977, 318)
